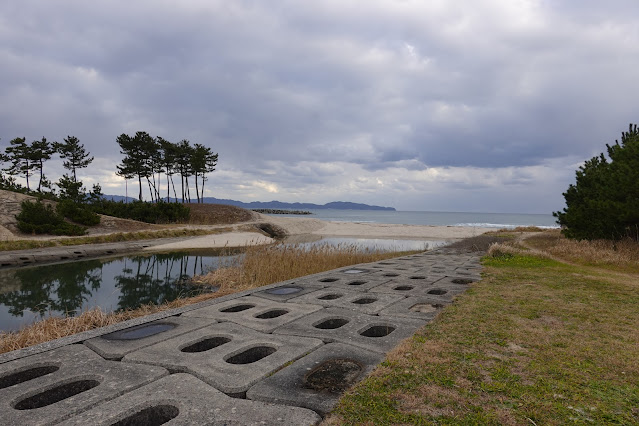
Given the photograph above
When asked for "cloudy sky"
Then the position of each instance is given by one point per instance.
(441, 105)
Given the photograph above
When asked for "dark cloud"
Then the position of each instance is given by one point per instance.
(300, 96)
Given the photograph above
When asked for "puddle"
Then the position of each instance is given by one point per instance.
(284, 290)
(378, 244)
(139, 332)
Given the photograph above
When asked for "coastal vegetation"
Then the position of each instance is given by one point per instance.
(145, 158)
(260, 265)
(604, 201)
(547, 337)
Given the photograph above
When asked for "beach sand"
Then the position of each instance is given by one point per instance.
(309, 229)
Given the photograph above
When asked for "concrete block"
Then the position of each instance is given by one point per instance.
(286, 291)
(185, 400)
(375, 333)
(254, 312)
(119, 343)
(50, 387)
(369, 303)
(344, 281)
(425, 308)
(456, 281)
(408, 287)
(317, 380)
(228, 356)
(8, 261)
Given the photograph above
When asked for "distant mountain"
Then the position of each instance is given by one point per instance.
(337, 205)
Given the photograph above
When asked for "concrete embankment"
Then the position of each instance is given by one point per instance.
(279, 354)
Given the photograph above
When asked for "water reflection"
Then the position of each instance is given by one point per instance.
(30, 294)
(376, 244)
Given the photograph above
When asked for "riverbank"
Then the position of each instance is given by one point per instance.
(310, 229)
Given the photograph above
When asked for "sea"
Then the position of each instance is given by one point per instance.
(476, 220)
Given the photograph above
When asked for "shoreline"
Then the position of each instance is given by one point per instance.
(297, 230)
(300, 229)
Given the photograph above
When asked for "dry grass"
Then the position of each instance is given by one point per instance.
(261, 265)
(217, 214)
(620, 256)
(535, 342)
(522, 229)
(109, 238)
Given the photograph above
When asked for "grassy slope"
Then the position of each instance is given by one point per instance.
(535, 342)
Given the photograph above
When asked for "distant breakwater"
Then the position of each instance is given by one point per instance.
(279, 211)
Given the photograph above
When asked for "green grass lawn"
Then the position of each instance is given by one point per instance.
(535, 342)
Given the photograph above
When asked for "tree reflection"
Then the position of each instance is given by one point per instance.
(67, 288)
(59, 288)
(156, 279)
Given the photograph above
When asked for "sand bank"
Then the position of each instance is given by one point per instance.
(301, 229)
(229, 239)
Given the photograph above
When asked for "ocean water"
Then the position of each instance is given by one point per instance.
(488, 220)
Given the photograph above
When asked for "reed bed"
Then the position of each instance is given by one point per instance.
(262, 265)
(258, 266)
(621, 256)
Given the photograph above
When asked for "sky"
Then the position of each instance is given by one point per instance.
(438, 105)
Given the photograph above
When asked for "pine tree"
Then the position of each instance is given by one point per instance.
(604, 201)
(74, 155)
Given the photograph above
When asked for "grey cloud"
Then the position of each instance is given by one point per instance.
(407, 85)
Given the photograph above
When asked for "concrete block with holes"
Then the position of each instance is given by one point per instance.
(375, 333)
(288, 290)
(369, 303)
(408, 287)
(184, 399)
(119, 343)
(319, 379)
(52, 386)
(425, 308)
(349, 282)
(254, 312)
(228, 356)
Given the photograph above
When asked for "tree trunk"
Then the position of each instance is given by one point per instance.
(140, 184)
(197, 190)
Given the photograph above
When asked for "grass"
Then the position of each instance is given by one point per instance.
(535, 342)
(620, 256)
(109, 238)
(262, 265)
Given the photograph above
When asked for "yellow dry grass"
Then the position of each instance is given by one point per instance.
(260, 266)
(271, 264)
(621, 256)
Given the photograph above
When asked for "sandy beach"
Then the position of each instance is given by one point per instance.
(309, 229)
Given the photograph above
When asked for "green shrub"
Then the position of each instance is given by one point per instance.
(160, 212)
(40, 218)
(78, 213)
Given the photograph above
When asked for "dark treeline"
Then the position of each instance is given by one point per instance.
(148, 158)
(145, 159)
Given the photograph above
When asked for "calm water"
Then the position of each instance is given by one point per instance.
(491, 220)
(379, 244)
(29, 294)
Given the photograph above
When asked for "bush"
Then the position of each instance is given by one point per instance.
(39, 218)
(160, 212)
(604, 202)
(77, 213)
